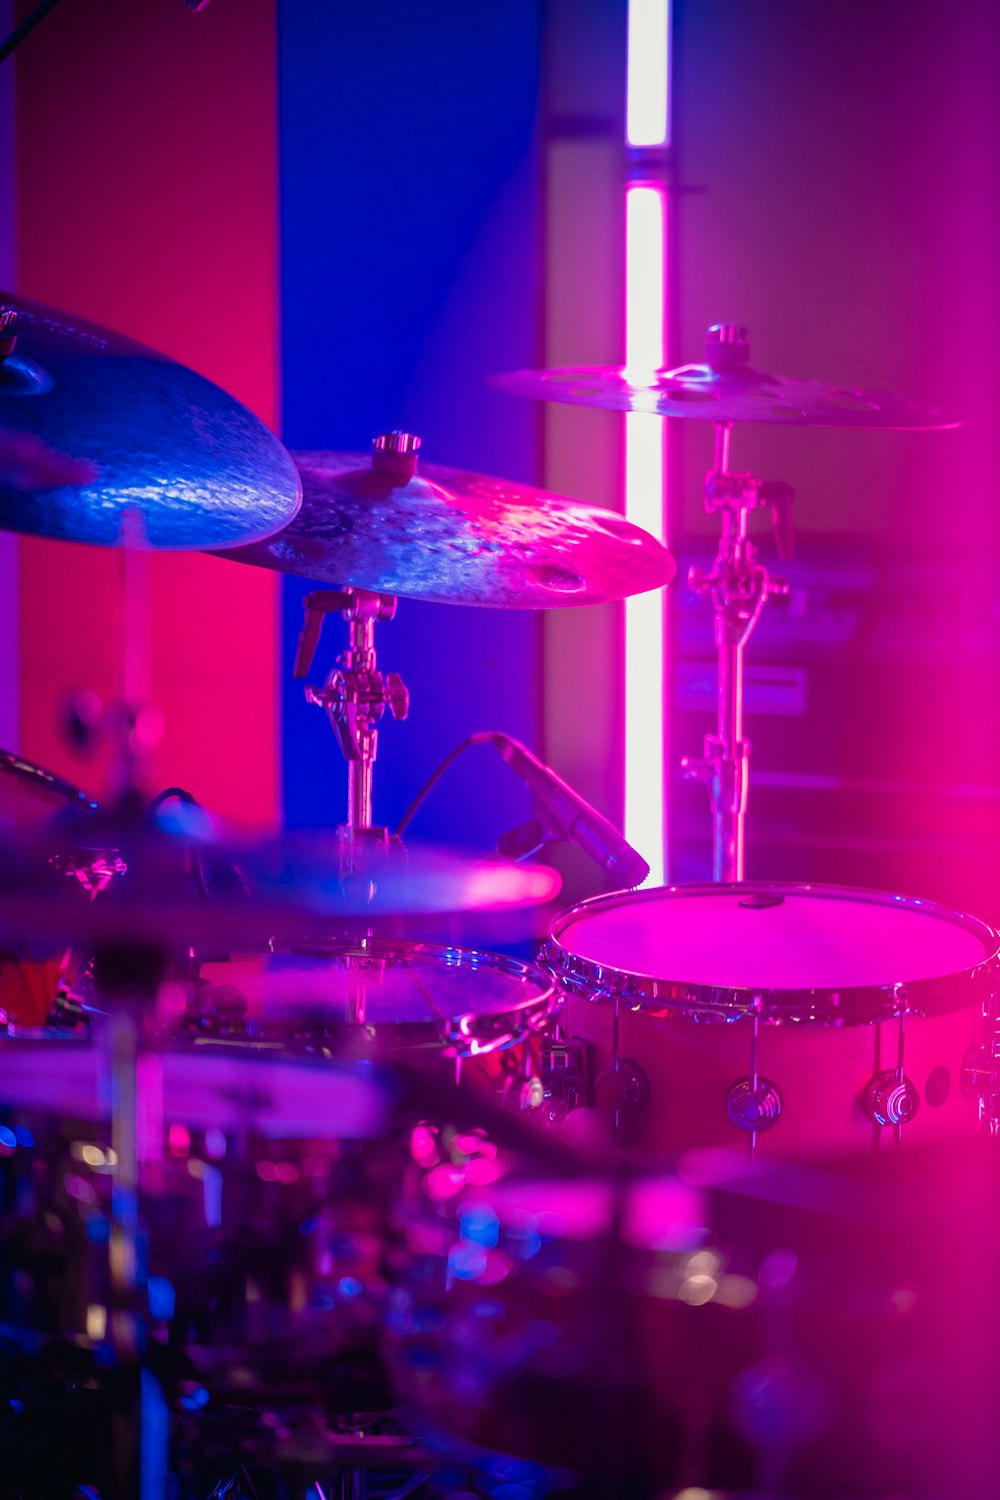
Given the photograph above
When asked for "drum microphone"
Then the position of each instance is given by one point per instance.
(571, 816)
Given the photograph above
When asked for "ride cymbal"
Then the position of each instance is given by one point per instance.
(455, 537)
(147, 434)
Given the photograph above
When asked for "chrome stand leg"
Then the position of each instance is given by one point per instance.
(738, 586)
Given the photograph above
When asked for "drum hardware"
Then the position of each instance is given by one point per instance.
(979, 1076)
(890, 1098)
(565, 1077)
(201, 469)
(754, 1103)
(725, 390)
(451, 537)
(739, 586)
(355, 696)
(621, 1091)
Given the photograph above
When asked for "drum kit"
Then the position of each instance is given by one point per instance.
(302, 1195)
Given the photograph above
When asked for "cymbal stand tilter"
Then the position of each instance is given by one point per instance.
(355, 696)
(739, 586)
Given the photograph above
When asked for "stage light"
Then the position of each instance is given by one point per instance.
(648, 109)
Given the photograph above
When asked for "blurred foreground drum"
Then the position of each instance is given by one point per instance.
(810, 1018)
(265, 1175)
(731, 1326)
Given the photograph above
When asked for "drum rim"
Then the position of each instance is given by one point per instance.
(823, 1006)
(466, 1034)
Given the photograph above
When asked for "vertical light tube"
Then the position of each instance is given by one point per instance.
(647, 110)
(645, 663)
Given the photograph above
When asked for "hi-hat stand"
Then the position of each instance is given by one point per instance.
(739, 586)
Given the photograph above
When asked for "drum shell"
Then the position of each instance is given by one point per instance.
(816, 990)
(820, 1073)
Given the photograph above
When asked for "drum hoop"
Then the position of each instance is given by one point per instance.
(854, 1005)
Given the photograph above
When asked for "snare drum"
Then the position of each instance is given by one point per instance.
(399, 996)
(810, 1018)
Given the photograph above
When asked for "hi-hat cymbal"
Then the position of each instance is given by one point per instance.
(146, 433)
(455, 537)
(183, 884)
(723, 389)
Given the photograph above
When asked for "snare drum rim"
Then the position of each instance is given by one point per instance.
(856, 1005)
(464, 1035)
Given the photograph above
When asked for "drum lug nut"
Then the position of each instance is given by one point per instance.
(890, 1098)
(754, 1106)
(566, 1072)
(622, 1090)
(979, 1076)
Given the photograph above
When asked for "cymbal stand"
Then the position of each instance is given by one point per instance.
(355, 696)
(739, 586)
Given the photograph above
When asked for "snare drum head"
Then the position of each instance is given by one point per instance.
(432, 993)
(823, 953)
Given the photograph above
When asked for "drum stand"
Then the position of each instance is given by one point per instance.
(738, 586)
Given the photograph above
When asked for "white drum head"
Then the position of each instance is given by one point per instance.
(857, 954)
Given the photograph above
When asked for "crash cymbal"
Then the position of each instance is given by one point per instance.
(147, 433)
(455, 537)
(183, 883)
(723, 389)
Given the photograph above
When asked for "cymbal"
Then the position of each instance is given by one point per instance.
(184, 884)
(455, 537)
(723, 389)
(146, 433)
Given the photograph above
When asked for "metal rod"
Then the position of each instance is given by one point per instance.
(359, 794)
(738, 586)
(17, 36)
